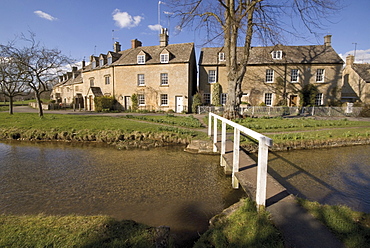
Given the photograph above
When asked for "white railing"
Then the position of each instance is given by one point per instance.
(263, 144)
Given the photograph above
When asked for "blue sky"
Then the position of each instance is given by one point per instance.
(80, 28)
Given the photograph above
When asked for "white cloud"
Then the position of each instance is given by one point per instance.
(155, 27)
(45, 15)
(125, 20)
(362, 56)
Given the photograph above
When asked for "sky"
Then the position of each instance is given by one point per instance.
(80, 28)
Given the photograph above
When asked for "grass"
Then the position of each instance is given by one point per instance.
(351, 227)
(244, 228)
(73, 231)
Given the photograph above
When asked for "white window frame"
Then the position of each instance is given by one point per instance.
(221, 56)
(93, 64)
(207, 98)
(269, 78)
(101, 62)
(319, 99)
(320, 75)
(107, 80)
(164, 79)
(141, 99)
(140, 79)
(223, 98)
(277, 54)
(212, 76)
(164, 99)
(268, 99)
(294, 75)
(141, 59)
(110, 60)
(165, 58)
(91, 80)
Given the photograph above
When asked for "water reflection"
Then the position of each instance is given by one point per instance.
(331, 176)
(163, 186)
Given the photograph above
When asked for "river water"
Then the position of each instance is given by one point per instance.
(161, 186)
(335, 176)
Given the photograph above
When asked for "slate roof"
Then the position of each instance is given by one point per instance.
(363, 70)
(180, 53)
(315, 54)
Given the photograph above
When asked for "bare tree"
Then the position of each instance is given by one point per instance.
(241, 21)
(12, 82)
(40, 65)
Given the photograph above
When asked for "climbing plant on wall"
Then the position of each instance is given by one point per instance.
(216, 94)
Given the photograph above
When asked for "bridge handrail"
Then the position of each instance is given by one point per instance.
(263, 144)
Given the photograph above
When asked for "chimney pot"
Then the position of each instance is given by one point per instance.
(163, 37)
(117, 47)
(350, 59)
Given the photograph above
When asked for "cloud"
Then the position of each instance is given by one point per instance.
(155, 27)
(45, 15)
(362, 56)
(124, 20)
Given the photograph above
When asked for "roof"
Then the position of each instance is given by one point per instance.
(315, 54)
(96, 91)
(363, 70)
(180, 53)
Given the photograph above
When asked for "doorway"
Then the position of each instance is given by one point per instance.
(179, 104)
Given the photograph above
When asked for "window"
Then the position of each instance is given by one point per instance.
(268, 99)
(164, 100)
(107, 79)
(221, 57)
(164, 78)
(277, 54)
(269, 76)
(294, 75)
(207, 98)
(140, 79)
(91, 82)
(101, 62)
(320, 75)
(319, 99)
(223, 98)
(110, 60)
(164, 58)
(212, 76)
(141, 59)
(141, 99)
(93, 64)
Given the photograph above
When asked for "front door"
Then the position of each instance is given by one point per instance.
(179, 104)
(293, 101)
(127, 102)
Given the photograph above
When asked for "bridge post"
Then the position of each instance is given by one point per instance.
(235, 182)
(215, 134)
(262, 173)
(223, 138)
(210, 124)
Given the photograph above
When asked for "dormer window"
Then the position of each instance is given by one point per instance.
(164, 58)
(93, 64)
(141, 59)
(221, 57)
(109, 60)
(101, 62)
(277, 54)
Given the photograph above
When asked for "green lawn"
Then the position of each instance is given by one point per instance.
(73, 231)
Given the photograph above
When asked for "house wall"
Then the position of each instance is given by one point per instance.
(179, 84)
(255, 87)
(354, 88)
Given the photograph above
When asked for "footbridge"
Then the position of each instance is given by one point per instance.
(299, 228)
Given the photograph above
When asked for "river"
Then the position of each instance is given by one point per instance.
(161, 186)
(335, 176)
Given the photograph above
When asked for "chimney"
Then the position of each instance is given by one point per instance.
(327, 40)
(117, 47)
(350, 59)
(136, 43)
(163, 38)
(83, 64)
(74, 72)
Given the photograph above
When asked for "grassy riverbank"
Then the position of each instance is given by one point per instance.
(74, 231)
(122, 130)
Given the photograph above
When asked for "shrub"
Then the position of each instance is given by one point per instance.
(104, 103)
